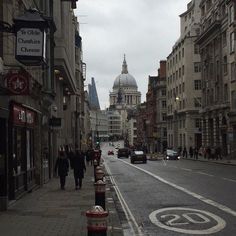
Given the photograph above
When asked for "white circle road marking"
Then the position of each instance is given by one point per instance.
(219, 226)
(195, 195)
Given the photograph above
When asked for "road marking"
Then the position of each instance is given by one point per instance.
(185, 217)
(231, 180)
(186, 169)
(203, 173)
(195, 195)
(135, 229)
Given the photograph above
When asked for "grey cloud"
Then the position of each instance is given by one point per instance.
(143, 29)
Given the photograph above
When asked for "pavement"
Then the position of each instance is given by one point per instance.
(52, 211)
(225, 160)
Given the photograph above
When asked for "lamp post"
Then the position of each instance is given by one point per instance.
(175, 121)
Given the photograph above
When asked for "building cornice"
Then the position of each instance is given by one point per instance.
(215, 26)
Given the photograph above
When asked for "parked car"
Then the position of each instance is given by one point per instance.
(110, 152)
(137, 155)
(172, 154)
(123, 152)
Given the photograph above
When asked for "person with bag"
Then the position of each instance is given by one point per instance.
(62, 168)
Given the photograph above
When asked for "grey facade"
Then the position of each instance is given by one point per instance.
(217, 49)
(50, 113)
(184, 84)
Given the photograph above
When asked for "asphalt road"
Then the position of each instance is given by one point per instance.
(175, 197)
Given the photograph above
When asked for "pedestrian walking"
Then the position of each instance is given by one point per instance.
(195, 153)
(62, 168)
(208, 151)
(185, 153)
(191, 151)
(79, 168)
(219, 153)
(180, 150)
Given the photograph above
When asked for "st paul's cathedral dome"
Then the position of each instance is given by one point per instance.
(125, 90)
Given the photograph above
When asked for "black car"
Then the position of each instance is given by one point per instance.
(138, 156)
(172, 154)
(123, 152)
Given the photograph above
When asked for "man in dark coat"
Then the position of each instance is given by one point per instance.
(79, 168)
(62, 168)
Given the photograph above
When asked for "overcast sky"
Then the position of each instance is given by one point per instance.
(144, 30)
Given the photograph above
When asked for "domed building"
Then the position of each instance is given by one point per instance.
(123, 100)
(125, 90)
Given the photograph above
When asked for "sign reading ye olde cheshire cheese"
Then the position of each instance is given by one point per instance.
(30, 42)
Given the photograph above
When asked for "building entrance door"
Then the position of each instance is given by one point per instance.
(3, 164)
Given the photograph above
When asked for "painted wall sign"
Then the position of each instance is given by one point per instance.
(187, 220)
(23, 116)
(17, 83)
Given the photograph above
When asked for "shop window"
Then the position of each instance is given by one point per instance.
(232, 71)
(198, 123)
(18, 150)
(197, 67)
(197, 102)
(232, 42)
(225, 70)
(231, 14)
(197, 85)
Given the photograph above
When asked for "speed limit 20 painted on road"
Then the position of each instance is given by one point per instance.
(187, 220)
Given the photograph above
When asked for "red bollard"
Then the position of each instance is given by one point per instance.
(95, 164)
(97, 221)
(100, 194)
(99, 175)
(96, 169)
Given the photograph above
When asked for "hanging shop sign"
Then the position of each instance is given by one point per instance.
(30, 45)
(30, 32)
(17, 83)
(22, 116)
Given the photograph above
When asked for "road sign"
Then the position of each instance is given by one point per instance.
(187, 220)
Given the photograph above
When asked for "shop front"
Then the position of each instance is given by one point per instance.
(21, 150)
(3, 156)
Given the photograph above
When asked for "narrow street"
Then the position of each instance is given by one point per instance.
(175, 197)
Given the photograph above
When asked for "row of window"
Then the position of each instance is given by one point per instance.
(182, 123)
(214, 95)
(197, 103)
(172, 78)
(180, 54)
(180, 89)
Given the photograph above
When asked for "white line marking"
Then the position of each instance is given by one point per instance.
(203, 173)
(129, 216)
(231, 180)
(195, 195)
(186, 169)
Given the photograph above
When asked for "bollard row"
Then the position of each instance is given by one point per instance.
(97, 221)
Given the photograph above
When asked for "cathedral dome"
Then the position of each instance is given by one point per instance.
(125, 80)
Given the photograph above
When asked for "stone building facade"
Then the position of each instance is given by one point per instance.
(49, 113)
(184, 83)
(217, 49)
(161, 109)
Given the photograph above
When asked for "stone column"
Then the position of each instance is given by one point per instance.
(214, 132)
(206, 133)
